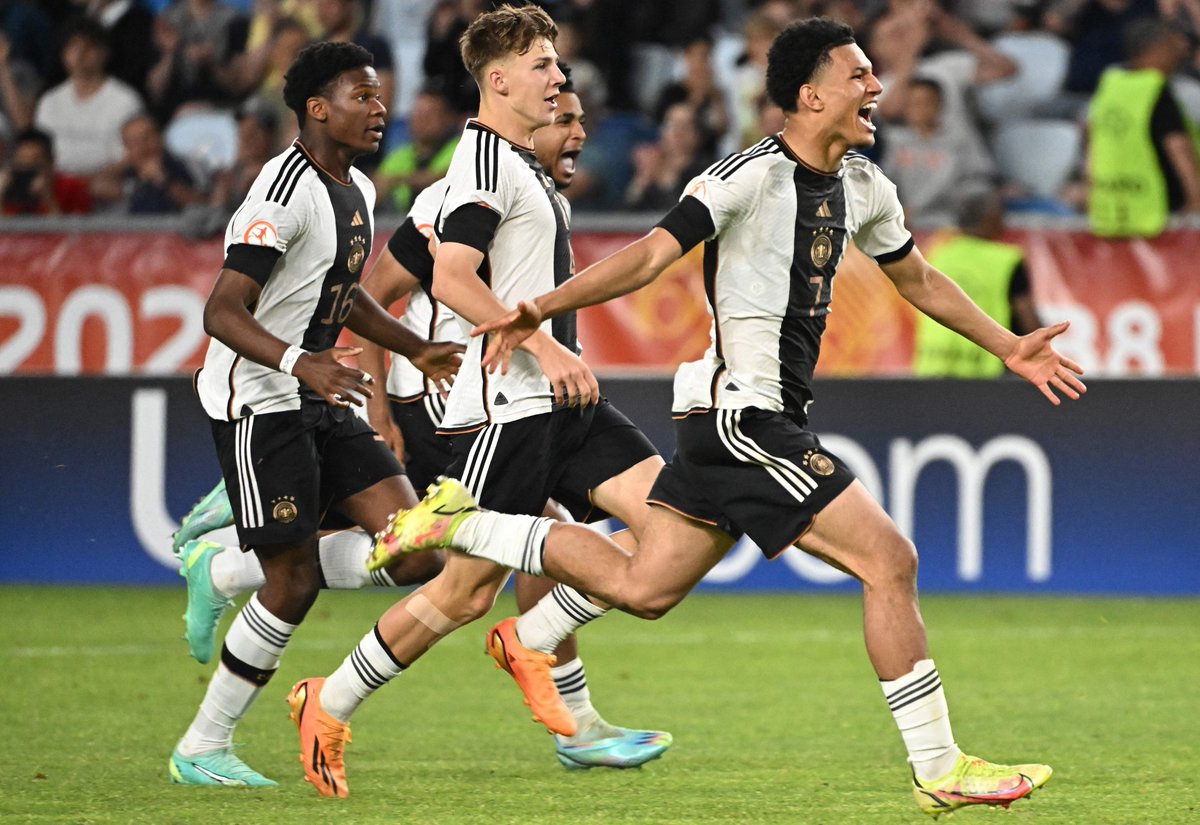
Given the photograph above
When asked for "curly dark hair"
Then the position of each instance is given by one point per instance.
(568, 86)
(798, 53)
(315, 68)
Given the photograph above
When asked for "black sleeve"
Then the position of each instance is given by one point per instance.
(689, 222)
(889, 257)
(472, 224)
(255, 262)
(1166, 119)
(411, 250)
(1019, 284)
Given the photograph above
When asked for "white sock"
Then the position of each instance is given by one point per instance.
(571, 681)
(556, 616)
(516, 542)
(918, 705)
(253, 647)
(369, 667)
(344, 561)
(234, 572)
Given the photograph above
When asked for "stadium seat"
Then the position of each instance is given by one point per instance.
(1038, 154)
(1187, 92)
(1041, 68)
(206, 140)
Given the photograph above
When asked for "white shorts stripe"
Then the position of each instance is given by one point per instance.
(434, 407)
(252, 514)
(743, 447)
(479, 459)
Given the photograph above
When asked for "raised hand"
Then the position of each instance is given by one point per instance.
(507, 333)
(1035, 360)
(439, 363)
(338, 384)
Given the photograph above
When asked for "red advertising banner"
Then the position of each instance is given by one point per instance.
(122, 303)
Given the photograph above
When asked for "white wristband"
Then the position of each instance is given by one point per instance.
(288, 362)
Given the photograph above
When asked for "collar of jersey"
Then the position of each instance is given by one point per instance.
(792, 156)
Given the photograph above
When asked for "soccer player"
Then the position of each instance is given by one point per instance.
(540, 431)
(290, 448)
(775, 220)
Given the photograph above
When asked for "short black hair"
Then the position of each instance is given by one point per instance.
(928, 83)
(1143, 34)
(798, 53)
(568, 86)
(86, 28)
(36, 135)
(315, 68)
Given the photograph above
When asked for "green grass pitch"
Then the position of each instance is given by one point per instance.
(776, 714)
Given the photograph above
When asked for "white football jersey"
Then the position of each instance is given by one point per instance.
(321, 227)
(529, 254)
(424, 316)
(781, 230)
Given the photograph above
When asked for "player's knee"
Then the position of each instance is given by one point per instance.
(902, 561)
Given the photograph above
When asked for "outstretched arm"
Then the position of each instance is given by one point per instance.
(1030, 356)
(457, 285)
(626, 270)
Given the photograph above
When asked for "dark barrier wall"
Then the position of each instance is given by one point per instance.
(1000, 490)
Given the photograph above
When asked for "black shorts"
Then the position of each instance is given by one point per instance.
(516, 467)
(284, 471)
(750, 471)
(426, 454)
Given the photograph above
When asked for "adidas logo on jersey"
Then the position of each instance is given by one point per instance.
(823, 210)
(358, 221)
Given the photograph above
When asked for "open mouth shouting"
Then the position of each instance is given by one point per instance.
(865, 114)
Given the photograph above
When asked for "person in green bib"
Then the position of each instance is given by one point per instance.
(1142, 151)
(434, 128)
(993, 274)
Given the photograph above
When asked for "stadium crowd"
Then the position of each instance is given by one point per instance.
(166, 106)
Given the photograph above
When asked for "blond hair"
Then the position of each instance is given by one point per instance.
(506, 30)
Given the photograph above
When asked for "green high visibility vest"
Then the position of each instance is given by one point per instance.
(403, 161)
(1128, 195)
(984, 270)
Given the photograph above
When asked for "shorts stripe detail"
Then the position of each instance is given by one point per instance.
(435, 407)
(797, 482)
(252, 511)
(479, 459)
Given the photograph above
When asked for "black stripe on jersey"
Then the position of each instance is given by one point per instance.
(889, 257)
(689, 222)
(819, 242)
(285, 183)
(487, 158)
(563, 327)
(724, 163)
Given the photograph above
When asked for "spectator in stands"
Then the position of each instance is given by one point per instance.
(149, 180)
(1142, 158)
(18, 91)
(30, 185)
(258, 139)
(588, 80)
(130, 28)
(287, 39)
(699, 90)
(434, 128)
(84, 114)
(31, 38)
(447, 22)
(662, 169)
(993, 274)
(902, 42)
(749, 83)
(930, 160)
(1093, 28)
(194, 42)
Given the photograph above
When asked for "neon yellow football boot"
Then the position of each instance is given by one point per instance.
(975, 781)
(428, 526)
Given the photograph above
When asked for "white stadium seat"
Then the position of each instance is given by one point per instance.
(1038, 154)
(1041, 69)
